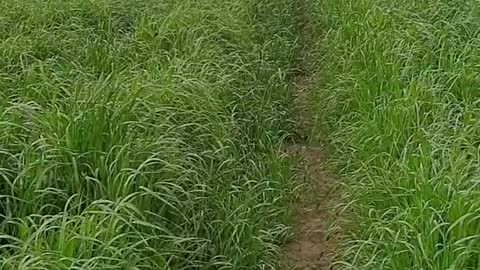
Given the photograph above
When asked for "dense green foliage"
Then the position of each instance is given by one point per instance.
(148, 134)
(144, 134)
(399, 96)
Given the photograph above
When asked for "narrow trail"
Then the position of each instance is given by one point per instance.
(316, 232)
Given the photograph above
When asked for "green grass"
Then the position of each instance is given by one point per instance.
(148, 134)
(144, 134)
(399, 99)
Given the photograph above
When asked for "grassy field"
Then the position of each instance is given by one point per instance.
(144, 134)
(399, 98)
(148, 134)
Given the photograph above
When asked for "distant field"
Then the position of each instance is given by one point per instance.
(399, 96)
(144, 134)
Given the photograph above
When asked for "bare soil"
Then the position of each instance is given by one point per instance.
(316, 232)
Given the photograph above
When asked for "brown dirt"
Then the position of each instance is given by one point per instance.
(316, 232)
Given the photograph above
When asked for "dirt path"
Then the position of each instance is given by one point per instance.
(315, 234)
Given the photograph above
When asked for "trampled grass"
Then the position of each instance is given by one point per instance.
(399, 97)
(144, 134)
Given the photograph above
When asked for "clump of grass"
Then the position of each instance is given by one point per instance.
(144, 134)
(400, 102)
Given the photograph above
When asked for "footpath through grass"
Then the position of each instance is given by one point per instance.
(399, 97)
(144, 134)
